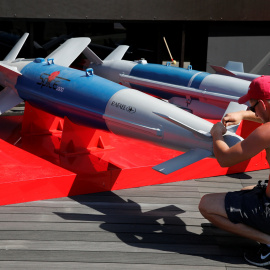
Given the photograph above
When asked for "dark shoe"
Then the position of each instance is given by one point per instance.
(261, 257)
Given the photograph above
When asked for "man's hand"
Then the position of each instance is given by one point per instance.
(232, 118)
(218, 129)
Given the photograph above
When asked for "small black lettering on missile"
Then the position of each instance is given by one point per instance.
(52, 81)
(131, 109)
(123, 107)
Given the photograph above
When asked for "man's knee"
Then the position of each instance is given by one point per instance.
(204, 204)
(213, 204)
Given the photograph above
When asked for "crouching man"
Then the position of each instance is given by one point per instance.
(246, 212)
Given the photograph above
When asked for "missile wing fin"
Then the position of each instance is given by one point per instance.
(118, 53)
(234, 107)
(182, 161)
(69, 51)
(199, 133)
(16, 49)
(222, 70)
(8, 99)
(90, 55)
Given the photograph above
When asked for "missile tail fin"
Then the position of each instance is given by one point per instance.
(16, 49)
(118, 53)
(69, 51)
(91, 56)
(235, 66)
(8, 99)
(182, 161)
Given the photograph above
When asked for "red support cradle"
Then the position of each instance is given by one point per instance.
(53, 157)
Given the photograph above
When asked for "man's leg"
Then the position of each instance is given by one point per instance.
(212, 207)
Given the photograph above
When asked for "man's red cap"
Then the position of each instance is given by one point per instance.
(258, 89)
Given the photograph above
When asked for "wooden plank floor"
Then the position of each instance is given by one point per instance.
(155, 227)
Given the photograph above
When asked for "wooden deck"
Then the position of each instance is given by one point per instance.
(154, 227)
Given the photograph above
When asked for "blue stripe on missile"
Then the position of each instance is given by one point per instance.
(66, 92)
(167, 74)
(162, 73)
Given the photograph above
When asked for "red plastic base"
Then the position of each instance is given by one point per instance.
(55, 158)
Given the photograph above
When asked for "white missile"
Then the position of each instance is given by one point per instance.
(168, 82)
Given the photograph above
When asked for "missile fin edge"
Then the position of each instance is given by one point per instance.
(16, 49)
(234, 107)
(117, 54)
(69, 51)
(91, 56)
(235, 66)
(8, 99)
(200, 133)
(182, 161)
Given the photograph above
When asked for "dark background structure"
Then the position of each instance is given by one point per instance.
(200, 33)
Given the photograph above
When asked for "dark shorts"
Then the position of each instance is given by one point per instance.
(251, 207)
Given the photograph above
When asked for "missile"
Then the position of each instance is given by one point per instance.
(87, 99)
(201, 93)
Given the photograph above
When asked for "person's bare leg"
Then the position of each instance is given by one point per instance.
(212, 207)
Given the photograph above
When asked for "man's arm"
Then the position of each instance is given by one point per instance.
(236, 117)
(257, 141)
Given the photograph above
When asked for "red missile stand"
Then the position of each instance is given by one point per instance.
(44, 157)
